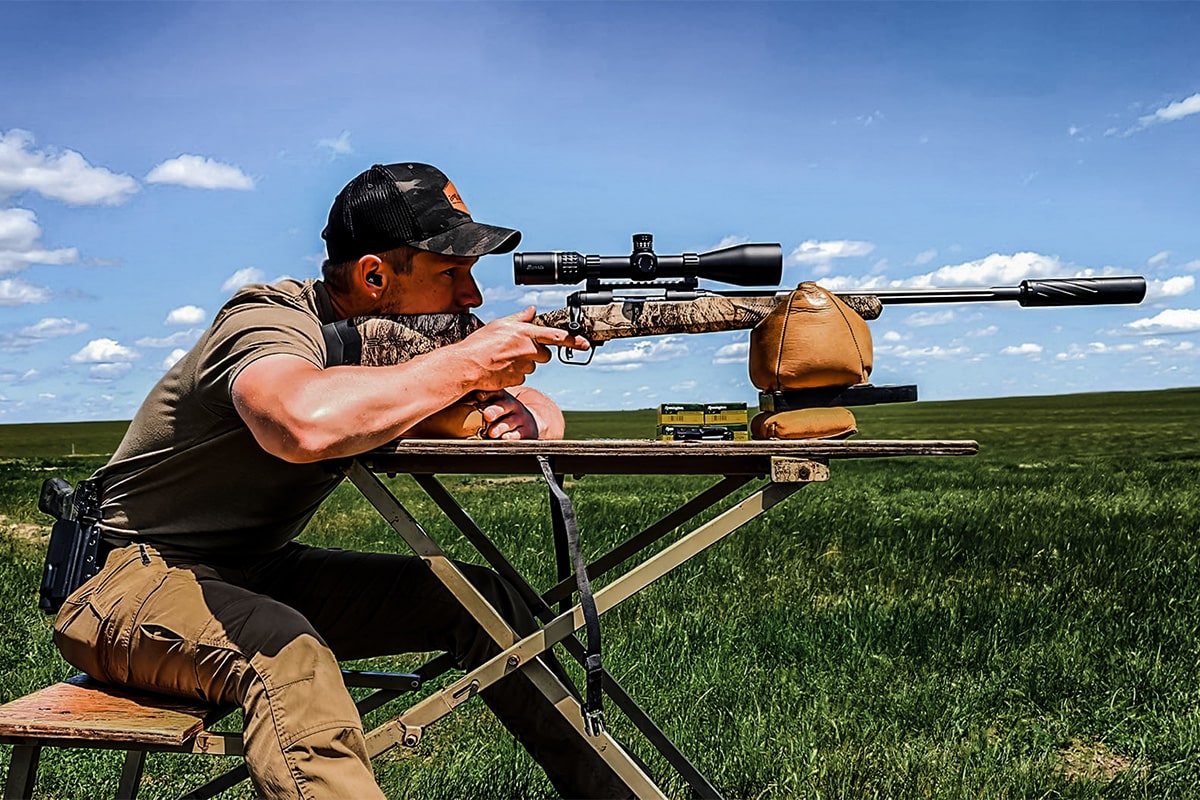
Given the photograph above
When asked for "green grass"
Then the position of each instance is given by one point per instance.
(1022, 623)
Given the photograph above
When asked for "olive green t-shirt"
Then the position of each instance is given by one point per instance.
(189, 476)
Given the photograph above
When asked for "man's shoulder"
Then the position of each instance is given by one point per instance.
(288, 291)
(300, 295)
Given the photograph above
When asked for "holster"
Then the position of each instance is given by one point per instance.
(74, 553)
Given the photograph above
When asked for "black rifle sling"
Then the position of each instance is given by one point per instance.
(562, 513)
(343, 343)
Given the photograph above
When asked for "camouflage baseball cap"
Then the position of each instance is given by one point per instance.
(412, 204)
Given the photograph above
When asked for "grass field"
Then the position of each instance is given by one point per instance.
(1022, 623)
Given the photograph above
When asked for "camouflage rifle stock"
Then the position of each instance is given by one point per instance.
(383, 340)
(393, 339)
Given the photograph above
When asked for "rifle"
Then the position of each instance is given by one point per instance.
(647, 294)
(627, 296)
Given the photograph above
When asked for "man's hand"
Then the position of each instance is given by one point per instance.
(506, 416)
(501, 353)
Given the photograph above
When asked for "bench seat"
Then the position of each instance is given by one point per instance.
(81, 709)
(81, 712)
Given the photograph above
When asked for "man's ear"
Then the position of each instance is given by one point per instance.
(369, 270)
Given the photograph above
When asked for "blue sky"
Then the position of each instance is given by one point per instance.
(153, 157)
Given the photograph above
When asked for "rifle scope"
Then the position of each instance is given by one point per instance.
(742, 265)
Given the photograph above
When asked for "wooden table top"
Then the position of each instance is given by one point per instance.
(636, 456)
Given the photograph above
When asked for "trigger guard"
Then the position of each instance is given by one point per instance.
(567, 356)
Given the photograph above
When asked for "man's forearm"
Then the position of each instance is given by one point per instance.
(301, 413)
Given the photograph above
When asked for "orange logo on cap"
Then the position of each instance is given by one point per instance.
(452, 195)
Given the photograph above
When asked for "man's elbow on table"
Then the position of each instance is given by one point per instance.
(546, 413)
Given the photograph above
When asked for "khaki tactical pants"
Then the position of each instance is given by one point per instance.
(266, 633)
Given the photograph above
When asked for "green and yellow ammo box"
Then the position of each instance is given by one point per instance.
(726, 414)
(681, 414)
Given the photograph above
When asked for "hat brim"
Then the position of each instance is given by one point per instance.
(470, 240)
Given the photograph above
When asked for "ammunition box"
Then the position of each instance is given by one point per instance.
(726, 413)
(705, 433)
(681, 414)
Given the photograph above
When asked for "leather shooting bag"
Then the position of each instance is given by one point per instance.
(811, 339)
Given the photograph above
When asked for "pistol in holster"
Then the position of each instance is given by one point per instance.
(73, 554)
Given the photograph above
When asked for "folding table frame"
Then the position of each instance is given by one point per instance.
(782, 467)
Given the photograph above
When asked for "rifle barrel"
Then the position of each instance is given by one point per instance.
(1031, 293)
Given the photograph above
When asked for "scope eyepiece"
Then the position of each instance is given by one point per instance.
(741, 265)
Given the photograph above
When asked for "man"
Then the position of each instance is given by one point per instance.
(206, 594)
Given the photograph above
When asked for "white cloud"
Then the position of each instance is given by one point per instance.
(856, 285)
(64, 175)
(175, 355)
(32, 335)
(242, 277)
(110, 371)
(996, 269)
(1026, 349)
(730, 241)
(19, 235)
(1171, 287)
(936, 352)
(16, 292)
(923, 319)
(185, 315)
(339, 146)
(735, 353)
(1158, 259)
(1174, 111)
(1172, 320)
(25, 377)
(814, 253)
(544, 298)
(52, 327)
(1077, 353)
(188, 337)
(18, 228)
(640, 352)
(104, 351)
(924, 257)
(499, 294)
(197, 172)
